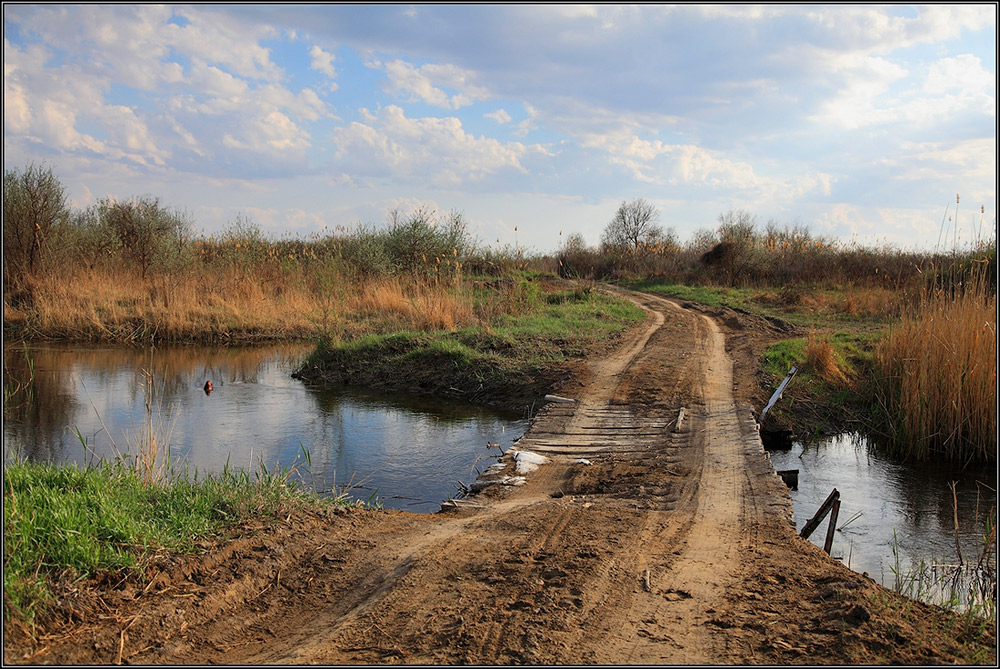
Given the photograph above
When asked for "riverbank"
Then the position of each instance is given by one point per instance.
(120, 522)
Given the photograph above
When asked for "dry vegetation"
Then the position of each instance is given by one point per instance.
(937, 374)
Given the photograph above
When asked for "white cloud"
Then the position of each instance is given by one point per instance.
(41, 106)
(322, 61)
(215, 38)
(423, 83)
(500, 116)
(128, 131)
(962, 74)
(432, 148)
(271, 133)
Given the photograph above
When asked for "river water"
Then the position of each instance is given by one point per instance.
(897, 520)
(87, 403)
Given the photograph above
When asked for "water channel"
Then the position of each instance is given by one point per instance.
(408, 452)
(897, 520)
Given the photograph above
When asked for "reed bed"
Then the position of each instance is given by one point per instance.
(420, 305)
(936, 375)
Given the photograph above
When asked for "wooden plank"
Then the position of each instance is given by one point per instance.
(584, 450)
(777, 394)
(598, 433)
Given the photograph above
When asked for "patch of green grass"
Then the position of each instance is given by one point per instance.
(780, 357)
(713, 296)
(68, 522)
(446, 350)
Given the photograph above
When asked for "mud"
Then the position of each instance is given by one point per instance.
(670, 544)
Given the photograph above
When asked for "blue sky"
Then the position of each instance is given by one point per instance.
(861, 122)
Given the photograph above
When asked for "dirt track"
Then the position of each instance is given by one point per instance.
(674, 545)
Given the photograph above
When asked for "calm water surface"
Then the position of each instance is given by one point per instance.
(893, 515)
(407, 451)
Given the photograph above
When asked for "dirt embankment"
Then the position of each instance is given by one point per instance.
(648, 537)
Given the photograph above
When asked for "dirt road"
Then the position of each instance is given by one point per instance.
(655, 532)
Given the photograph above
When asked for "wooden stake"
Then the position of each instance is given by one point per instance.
(834, 512)
(820, 514)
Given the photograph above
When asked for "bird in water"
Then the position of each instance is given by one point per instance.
(208, 387)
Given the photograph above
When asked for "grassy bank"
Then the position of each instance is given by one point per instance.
(65, 524)
(511, 358)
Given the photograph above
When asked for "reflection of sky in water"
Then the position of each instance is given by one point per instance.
(411, 450)
(887, 499)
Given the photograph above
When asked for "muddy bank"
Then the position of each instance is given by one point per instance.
(410, 367)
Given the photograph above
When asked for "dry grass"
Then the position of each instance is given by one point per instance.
(121, 306)
(420, 305)
(938, 374)
(821, 359)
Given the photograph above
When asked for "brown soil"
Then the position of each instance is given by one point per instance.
(674, 545)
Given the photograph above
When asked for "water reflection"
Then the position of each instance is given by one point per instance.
(893, 515)
(77, 404)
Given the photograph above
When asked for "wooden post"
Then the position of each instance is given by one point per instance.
(820, 514)
(834, 512)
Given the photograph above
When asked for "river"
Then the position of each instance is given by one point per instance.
(897, 520)
(80, 404)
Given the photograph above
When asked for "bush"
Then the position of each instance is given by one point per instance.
(148, 234)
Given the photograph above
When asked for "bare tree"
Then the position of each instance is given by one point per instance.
(633, 226)
(34, 206)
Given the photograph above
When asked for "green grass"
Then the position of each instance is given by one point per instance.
(713, 296)
(64, 522)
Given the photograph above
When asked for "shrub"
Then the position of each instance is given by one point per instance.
(148, 233)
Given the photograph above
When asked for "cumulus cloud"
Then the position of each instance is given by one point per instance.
(426, 83)
(209, 86)
(500, 116)
(322, 61)
(439, 149)
(963, 74)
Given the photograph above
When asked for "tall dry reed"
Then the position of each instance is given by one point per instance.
(936, 383)
(821, 359)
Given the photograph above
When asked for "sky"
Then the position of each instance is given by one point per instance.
(863, 123)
